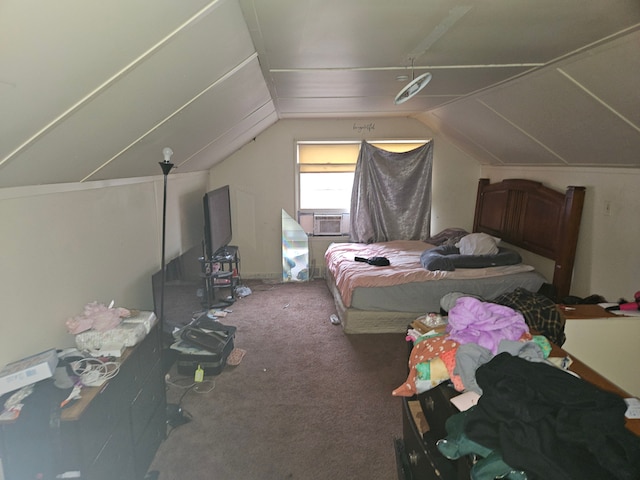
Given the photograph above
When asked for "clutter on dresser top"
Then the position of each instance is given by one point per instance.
(107, 330)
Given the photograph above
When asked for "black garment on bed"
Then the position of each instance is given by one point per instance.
(376, 261)
(551, 424)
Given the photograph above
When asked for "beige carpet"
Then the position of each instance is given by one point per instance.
(305, 402)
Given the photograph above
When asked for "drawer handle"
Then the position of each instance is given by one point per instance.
(414, 458)
(429, 403)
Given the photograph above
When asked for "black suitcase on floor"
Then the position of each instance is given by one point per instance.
(214, 337)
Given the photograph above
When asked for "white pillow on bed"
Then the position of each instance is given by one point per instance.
(478, 244)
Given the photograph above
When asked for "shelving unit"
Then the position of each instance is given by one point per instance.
(222, 271)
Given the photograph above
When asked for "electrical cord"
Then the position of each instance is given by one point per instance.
(176, 415)
(93, 372)
(175, 412)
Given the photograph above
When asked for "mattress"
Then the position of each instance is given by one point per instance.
(385, 299)
(405, 285)
(425, 296)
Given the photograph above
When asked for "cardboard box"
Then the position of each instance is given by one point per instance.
(21, 373)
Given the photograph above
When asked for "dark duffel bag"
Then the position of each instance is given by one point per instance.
(212, 336)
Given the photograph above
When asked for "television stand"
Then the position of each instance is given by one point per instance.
(225, 253)
(220, 272)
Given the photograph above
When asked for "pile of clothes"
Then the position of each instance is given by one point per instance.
(532, 420)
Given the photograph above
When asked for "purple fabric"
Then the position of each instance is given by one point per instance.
(474, 321)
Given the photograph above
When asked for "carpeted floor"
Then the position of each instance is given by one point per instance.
(306, 402)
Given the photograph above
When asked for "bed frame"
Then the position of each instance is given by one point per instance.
(523, 213)
(539, 219)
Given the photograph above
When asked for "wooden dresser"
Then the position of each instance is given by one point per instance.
(112, 432)
(424, 416)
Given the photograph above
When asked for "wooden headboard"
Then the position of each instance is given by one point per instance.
(539, 219)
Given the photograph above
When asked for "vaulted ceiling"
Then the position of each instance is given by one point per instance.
(93, 90)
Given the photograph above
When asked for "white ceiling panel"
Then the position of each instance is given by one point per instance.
(234, 99)
(447, 82)
(560, 115)
(504, 32)
(91, 90)
(239, 135)
(612, 75)
(55, 53)
(137, 103)
(352, 107)
(498, 141)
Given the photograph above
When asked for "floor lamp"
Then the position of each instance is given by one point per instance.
(166, 166)
(174, 414)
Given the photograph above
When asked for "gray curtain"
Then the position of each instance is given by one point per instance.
(391, 196)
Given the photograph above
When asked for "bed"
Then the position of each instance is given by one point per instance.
(522, 213)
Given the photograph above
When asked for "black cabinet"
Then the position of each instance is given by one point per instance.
(112, 432)
(423, 418)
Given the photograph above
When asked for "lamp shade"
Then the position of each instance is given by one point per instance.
(412, 88)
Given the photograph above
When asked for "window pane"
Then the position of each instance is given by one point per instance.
(326, 190)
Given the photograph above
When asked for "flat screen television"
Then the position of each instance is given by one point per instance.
(217, 220)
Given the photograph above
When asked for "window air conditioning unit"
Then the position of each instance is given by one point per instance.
(327, 224)
(324, 224)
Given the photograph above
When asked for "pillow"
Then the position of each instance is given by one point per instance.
(447, 237)
(439, 258)
(478, 244)
(448, 259)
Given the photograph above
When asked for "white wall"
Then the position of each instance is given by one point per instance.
(609, 346)
(607, 262)
(262, 179)
(63, 246)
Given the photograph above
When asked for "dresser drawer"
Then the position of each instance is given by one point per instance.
(150, 439)
(109, 408)
(424, 418)
(115, 460)
(417, 456)
(150, 395)
(147, 354)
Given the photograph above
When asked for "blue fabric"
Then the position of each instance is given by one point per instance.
(448, 258)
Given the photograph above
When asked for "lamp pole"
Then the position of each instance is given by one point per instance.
(166, 167)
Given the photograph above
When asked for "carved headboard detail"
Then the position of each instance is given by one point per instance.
(539, 219)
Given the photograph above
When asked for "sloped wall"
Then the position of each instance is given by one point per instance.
(66, 245)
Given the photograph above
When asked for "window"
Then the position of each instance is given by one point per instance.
(325, 177)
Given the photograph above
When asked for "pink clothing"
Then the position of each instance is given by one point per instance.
(424, 351)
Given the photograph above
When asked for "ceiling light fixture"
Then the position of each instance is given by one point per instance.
(413, 87)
